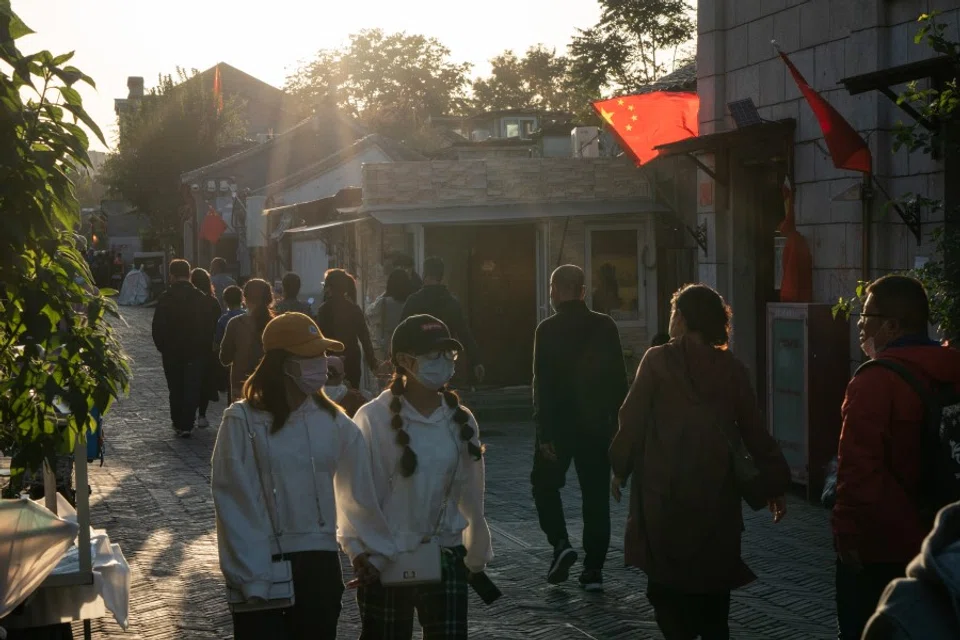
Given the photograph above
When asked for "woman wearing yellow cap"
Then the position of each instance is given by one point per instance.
(292, 482)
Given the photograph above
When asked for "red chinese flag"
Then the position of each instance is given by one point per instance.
(218, 89)
(796, 285)
(847, 148)
(213, 226)
(645, 121)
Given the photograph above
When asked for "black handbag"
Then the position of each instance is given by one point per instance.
(748, 478)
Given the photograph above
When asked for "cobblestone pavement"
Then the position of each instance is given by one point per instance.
(153, 497)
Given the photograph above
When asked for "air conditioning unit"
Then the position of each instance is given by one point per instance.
(585, 142)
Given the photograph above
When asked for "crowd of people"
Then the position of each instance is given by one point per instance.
(307, 463)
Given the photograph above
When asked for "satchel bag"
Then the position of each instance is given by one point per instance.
(748, 478)
(280, 594)
(422, 565)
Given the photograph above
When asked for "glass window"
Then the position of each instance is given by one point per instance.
(614, 273)
(529, 126)
(511, 128)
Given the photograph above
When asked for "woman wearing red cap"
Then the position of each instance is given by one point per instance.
(429, 478)
(291, 483)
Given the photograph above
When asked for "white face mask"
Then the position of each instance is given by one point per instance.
(336, 392)
(310, 374)
(869, 348)
(434, 373)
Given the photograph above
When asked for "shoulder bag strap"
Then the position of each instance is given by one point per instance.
(272, 493)
(453, 479)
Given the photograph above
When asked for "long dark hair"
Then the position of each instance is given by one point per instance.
(398, 285)
(705, 312)
(200, 279)
(265, 389)
(261, 294)
(408, 461)
(337, 282)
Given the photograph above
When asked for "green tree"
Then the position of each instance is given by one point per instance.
(940, 275)
(55, 338)
(176, 127)
(539, 80)
(634, 43)
(391, 82)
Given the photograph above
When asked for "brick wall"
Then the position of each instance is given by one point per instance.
(444, 182)
(827, 40)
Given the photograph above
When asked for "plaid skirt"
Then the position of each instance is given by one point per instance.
(386, 613)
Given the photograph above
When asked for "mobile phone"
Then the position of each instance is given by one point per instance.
(484, 587)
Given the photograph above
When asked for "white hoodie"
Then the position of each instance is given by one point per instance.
(412, 505)
(331, 461)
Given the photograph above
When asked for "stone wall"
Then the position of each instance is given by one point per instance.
(500, 180)
(828, 40)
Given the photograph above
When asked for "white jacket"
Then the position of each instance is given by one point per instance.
(313, 456)
(413, 505)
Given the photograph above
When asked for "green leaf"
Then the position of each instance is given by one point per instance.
(66, 57)
(15, 27)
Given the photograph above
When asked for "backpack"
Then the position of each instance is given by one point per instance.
(939, 439)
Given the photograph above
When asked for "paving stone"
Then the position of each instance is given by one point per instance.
(153, 497)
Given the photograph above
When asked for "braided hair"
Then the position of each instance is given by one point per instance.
(408, 461)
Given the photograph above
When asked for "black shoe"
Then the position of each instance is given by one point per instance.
(184, 433)
(563, 558)
(591, 581)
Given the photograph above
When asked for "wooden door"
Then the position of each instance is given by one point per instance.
(502, 311)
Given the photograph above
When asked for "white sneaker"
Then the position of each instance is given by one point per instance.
(202, 423)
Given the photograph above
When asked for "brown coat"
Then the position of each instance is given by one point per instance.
(241, 350)
(685, 511)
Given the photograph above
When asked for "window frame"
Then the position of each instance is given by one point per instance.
(641, 229)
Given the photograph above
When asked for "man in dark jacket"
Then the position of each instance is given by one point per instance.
(878, 526)
(926, 604)
(579, 383)
(434, 299)
(183, 340)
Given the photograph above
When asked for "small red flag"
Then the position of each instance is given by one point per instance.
(796, 285)
(847, 149)
(213, 226)
(218, 89)
(643, 122)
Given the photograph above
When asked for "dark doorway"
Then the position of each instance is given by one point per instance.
(492, 270)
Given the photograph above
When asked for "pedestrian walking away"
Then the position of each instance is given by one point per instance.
(212, 368)
(220, 279)
(340, 318)
(579, 383)
(384, 314)
(241, 349)
(290, 286)
(291, 481)
(690, 413)
(429, 477)
(436, 300)
(180, 324)
(233, 301)
(893, 472)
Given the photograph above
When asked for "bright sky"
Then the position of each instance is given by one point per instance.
(114, 39)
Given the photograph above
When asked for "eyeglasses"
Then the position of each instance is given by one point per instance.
(436, 355)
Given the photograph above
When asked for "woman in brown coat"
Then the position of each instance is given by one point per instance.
(685, 515)
(242, 349)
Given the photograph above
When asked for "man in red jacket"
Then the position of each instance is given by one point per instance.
(877, 522)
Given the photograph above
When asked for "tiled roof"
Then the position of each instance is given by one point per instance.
(681, 79)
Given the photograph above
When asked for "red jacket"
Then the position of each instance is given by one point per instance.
(879, 459)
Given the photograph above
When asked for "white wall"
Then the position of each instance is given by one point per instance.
(347, 174)
(310, 262)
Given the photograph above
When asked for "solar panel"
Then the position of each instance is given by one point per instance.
(744, 113)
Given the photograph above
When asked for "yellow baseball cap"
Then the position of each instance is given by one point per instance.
(298, 334)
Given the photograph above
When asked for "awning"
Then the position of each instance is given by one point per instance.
(299, 231)
(512, 212)
(938, 69)
(767, 138)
